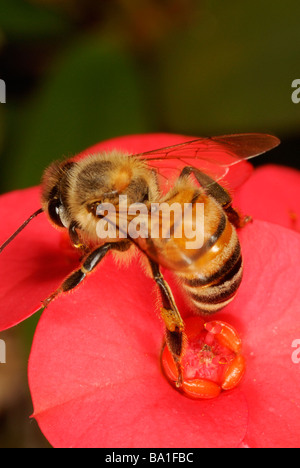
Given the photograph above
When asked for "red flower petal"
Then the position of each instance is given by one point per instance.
(33, 265)
(134, 144)
(272, 194)
(96, 380)
(266, 312)
(95, 376)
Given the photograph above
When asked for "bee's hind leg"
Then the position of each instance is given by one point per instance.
(175, 340)
(219, 193)
(175, 335)
(236, 218)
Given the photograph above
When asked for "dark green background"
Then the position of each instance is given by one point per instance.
(80, 71)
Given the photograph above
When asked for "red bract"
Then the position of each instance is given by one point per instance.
(94, 370)
(272, 194)
(108, 390)
(33, 265)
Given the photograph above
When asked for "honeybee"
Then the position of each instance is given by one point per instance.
(75, 191)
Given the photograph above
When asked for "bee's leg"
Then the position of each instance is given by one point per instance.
(175, 335)
(236, 218)
(215, 190)
(75, 239)
(90, 262)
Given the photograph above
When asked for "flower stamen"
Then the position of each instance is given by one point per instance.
(211, 362)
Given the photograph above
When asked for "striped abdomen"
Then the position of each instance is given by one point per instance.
(219, 271)
(211, 273)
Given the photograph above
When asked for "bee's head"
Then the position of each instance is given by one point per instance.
(52, 199)
(54, 187)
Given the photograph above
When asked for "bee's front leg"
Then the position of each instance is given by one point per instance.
(75, 239)
(175, 335)
(90, 262)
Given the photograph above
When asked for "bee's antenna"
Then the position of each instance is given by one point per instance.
(20, 229)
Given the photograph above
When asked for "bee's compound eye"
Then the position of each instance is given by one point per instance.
(54, 212)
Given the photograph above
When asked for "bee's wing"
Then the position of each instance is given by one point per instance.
(224, 150)
(214, 155)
